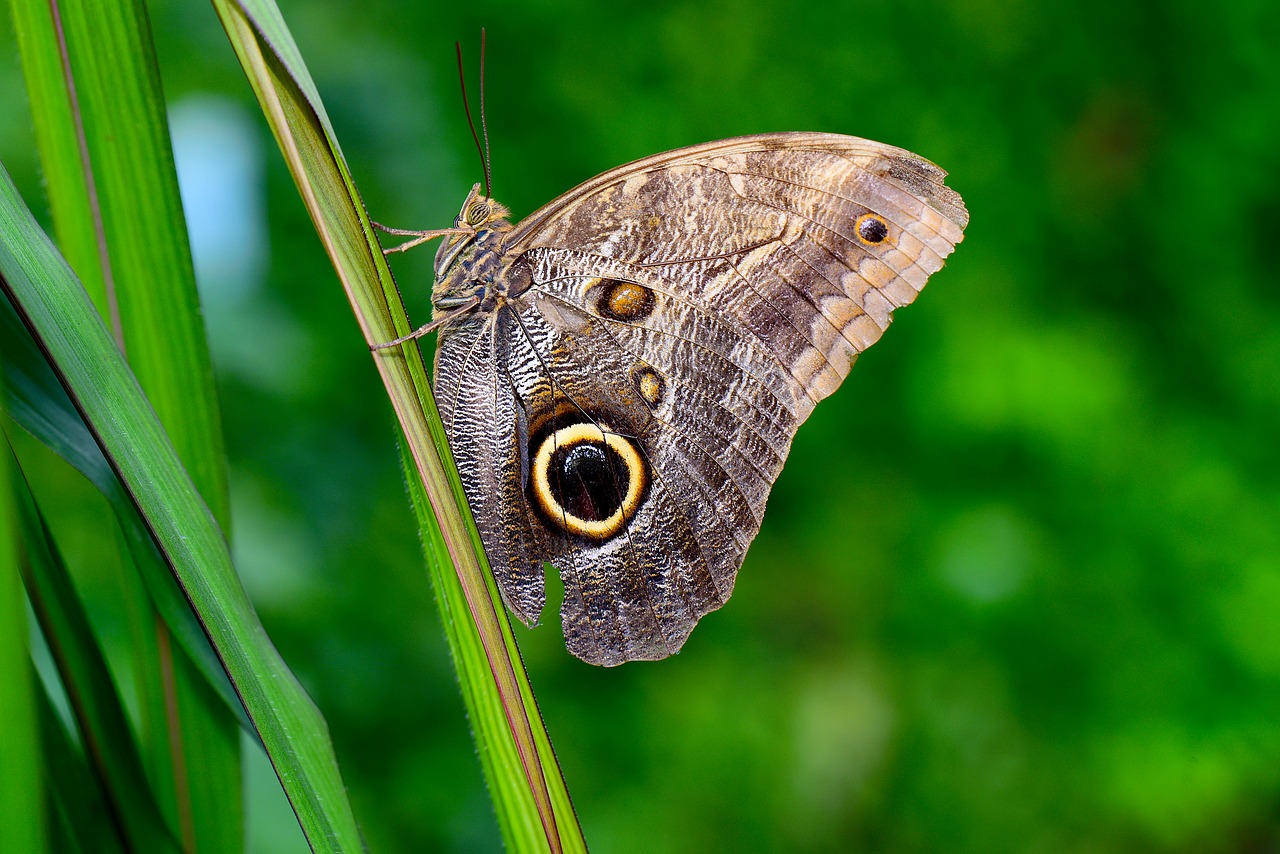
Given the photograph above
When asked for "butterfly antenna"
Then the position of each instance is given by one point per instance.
(484, 124)
(484, 161)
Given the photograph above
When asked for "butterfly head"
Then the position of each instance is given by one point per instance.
(479, 210)
(469, 263)
(479, 218)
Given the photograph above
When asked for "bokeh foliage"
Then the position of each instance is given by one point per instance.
(1019, 585)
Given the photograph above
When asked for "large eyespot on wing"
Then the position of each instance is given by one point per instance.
(586, 480)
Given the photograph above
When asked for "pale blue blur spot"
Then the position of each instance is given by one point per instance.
(220, 157)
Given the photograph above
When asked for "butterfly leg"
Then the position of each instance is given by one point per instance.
(427, 327)
(419, 237)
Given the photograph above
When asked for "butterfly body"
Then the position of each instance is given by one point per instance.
(641, 351)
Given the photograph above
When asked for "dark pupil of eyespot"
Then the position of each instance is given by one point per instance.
(873, 230)
(589, 480)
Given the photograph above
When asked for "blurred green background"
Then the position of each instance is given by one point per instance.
(1018, 588)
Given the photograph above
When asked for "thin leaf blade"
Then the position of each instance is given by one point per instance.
(54, 306)
(21, 816)
(524, 777)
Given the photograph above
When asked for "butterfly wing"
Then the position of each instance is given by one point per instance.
(486, 432)
(694, 307)
(790, 216)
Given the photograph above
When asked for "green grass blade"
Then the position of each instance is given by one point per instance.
(524, 778)
(105, 115)
(54, 306)
(60, 139)
(21, 815)
(520, 827)
(36, 401)
(77, 812)
(101, 127)
(110, 83)
(99, 714)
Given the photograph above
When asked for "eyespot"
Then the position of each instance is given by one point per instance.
(587, 481)
(649, 384)
(626, 301)
(872, 228)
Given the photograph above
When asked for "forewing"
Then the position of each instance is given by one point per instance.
(807, 242)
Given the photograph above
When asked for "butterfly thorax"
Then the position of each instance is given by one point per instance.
(471, 263)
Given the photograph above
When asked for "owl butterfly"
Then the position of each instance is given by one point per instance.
(621, 374)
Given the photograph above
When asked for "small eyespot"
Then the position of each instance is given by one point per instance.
(872, 228)
(650, 385)
(625, 301)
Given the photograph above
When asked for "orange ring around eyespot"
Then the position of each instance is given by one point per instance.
(573, 434)
(871, 218)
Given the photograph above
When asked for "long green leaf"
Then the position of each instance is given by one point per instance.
(54, 306)
(488, 713)
(524, 778)
(112, 71)
(21, 824)
(36, 401)
(60, 138)
(102, 129)
(99, 714)
(76, 806)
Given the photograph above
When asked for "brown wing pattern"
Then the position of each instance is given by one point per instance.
(635, 595)
(752, 273)
(780, 212)
(485, 427)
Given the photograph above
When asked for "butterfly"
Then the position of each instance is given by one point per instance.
(621, 373)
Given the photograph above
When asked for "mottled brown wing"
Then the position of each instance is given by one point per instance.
(487, 429)
(695, 305)
(635, 594)
(709, 414)
(789, 216)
